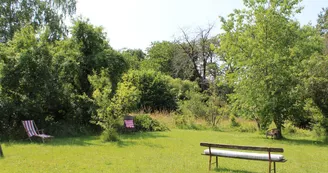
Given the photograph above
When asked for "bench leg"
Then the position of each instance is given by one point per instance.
(269, 166)
(274, 167)
(209, 163)
(217, 163)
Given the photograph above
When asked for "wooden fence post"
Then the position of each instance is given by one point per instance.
(1, 153)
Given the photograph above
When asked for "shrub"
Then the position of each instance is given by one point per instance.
(181, 88)
(233, 121)
(145, 123)
(109, 135)
(195, 105)
(110, 110)
(289, 128)
(247, 128)
(187, 122)
(155, 92)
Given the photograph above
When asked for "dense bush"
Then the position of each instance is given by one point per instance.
(48, 81)
(182, 88)
(109, 135)
(155, 91)
(187, 122)
(145, 123)
(233, 121)
(194, 106)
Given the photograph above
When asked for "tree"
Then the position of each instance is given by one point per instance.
(198, 49)
(40, 14)
(322, 27)
(322, 22)
(265, 47)
(29, 88)
(316, 86)
(95, 54)
(168, 58)
(133, 57)
(110, 109)
(160, 57)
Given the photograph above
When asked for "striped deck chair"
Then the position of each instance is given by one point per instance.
(32, 130)
(128, 122)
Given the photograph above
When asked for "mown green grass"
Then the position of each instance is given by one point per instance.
(175, 151)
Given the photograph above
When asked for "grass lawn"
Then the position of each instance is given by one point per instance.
(175, 151)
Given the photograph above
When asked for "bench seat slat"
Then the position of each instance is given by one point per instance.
(240, 147)
(244, 155)
(243, 158)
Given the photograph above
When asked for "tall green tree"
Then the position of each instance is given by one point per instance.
(29, 88)
(322, 27)
(95, 54)
(160, 56)
(316, 88)
(41, 14)
(133, 57)
(265, 47)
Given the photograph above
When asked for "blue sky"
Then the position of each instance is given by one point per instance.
(137, 23)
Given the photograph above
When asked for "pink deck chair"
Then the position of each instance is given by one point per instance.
(32, 130)
(128, 122)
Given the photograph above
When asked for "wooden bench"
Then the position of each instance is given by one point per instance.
(212, 151)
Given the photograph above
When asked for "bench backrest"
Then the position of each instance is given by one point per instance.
(240, 147)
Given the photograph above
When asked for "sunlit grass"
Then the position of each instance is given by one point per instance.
(173, 151)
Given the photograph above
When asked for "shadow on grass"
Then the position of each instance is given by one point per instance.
(142, 135)
(295, 141)
(132, 139)
(304, 142)
(58, 141)
(79, 141)
(125, 140)
(226, 170)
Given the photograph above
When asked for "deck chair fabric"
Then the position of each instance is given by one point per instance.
(128, 122)
(32, 130)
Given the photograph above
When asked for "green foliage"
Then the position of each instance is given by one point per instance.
(181, 88)
(246, 129)
(29, 88)
(160, 57)
(64, 128)
(95, 55)
(208, 106)
(155, 91)
(145, 123)
(40, 14)
(187, 122)
(264, 46)
(322, 27)
(322, 22)
(233, 121)
(111, 109)
(48, 81)
(109, 135)
(134, 58)
(195, 105)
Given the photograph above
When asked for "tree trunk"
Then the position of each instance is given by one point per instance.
(278, 124)
(1, 153)
(258, 124)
